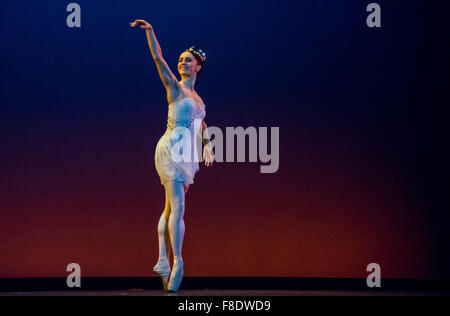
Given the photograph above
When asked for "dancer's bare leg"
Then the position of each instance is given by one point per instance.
(176, 230)
(176, 192)
(162, 268)
(182, 227)
(163, 229)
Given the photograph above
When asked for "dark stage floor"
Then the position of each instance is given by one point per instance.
(222, 293)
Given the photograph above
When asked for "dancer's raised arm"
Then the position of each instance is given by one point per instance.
(168, 78)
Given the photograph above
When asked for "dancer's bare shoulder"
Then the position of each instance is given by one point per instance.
(176, 92)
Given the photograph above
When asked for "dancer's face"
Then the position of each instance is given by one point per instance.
(188, 65)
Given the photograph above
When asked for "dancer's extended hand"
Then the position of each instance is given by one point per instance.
(142, 23)
(208, 156)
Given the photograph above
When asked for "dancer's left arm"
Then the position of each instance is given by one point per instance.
(208, 155)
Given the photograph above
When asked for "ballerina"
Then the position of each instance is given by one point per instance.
(185, 106)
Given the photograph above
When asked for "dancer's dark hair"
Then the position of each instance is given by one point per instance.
(200, 56)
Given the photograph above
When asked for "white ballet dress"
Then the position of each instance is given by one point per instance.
(178, 151)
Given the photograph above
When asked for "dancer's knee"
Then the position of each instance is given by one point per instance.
(167, 211)
(176, 198)
(162, 224)
(177, 209)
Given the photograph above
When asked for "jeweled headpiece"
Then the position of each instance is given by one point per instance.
(199, 53)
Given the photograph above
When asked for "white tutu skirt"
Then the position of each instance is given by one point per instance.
(167, 168)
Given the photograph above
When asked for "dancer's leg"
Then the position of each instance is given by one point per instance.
(176, 222)
(182, 227)
(163, 229)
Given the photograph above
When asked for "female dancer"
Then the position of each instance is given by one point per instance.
(185, 107)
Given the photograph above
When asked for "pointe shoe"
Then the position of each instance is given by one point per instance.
(176, 276)
(162, 268)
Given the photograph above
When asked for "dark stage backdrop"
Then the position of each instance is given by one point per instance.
(83, 108)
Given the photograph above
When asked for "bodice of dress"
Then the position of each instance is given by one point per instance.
(178, 151)
(182, 113)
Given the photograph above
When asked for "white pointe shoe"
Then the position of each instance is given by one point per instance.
(176, 276)
(162, 268)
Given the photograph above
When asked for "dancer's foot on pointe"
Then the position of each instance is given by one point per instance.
(176, 275)
(162, 268)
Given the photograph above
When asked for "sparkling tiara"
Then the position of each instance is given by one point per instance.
(199, 53)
